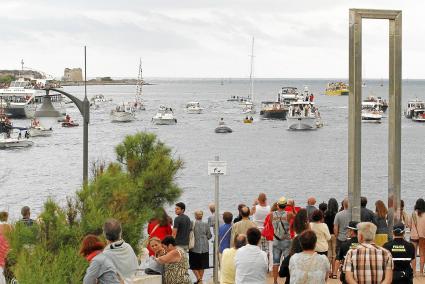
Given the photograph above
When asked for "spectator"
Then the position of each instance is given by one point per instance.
(284, 268)
(341, 221)
(228, 269)
(322, 232)
(323, 207)
(251, 261)
(101, 268)
(308, 266)
(120, 253)
(329, 220)
(5, 227)
(404, 217)
(351, 243)
(242, 226)
(368, 263)
(211, 218)
(199, 254)
(156, 246)
(366, 215)
(282, 236)
(417, 232)
(159, 227)
(182, 227)
(175, 261)
(291, 208)
(300, 223)
(310, 207)
(239, 217)
(403, 253)
(26, 214)
(152, 266)
(225, 232)
(4, 250)
(260, 210)
(382, 230)
(268, 234)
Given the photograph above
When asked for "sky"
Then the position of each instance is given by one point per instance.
(204, 38)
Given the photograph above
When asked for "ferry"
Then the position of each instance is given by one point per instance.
(279, 108)
(337, 89)
(23, 96)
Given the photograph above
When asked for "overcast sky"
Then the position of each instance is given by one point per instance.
(200, 38)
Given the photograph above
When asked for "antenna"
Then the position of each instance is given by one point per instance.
(251, 79)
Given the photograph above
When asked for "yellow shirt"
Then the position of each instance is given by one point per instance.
(322, 234)
(228, 269)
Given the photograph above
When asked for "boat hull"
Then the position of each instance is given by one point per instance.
(194, 111)
(162, 121)
(277, 114)
(337, 92)
(40, 132)
(10, 143)
(223, 129)
(302, 123)
(417, 119)
(122, 117)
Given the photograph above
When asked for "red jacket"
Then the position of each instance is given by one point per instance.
(160, 232)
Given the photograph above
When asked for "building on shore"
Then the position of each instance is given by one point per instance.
(24, 73)
(72, 75)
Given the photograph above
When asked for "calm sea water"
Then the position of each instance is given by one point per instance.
(262, 157)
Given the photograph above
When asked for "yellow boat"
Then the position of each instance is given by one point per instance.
(248, 120)
(337, 89)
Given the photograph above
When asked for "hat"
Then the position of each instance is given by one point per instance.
(281, 201)
(352, 225)
(398, 228)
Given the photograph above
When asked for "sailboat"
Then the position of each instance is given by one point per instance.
(138, 104)
(249, 106)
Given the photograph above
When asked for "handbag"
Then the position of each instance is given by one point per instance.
(192, 236)
(268, 231)
(152, 267)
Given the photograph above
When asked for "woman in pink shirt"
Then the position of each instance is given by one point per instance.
(417, 232)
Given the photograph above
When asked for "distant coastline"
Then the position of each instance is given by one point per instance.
(100, 83)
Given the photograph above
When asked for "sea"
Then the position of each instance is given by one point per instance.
(261, 157)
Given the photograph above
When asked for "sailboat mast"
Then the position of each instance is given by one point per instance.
(251, 79)
(139, 81)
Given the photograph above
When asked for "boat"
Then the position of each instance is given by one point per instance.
(248, 108)
(10, 143)
(418, 115)
(248, 120)
(138, 104)
(278, 109)
(36, 129)
(303, 115)
(240, 99)
(381, 104)
(194, 108)
(70, 124)
(98, 99)
(123, 113)
(337, 89)
(222, 127)
(412, 106)
(164, 116)
(371, 112)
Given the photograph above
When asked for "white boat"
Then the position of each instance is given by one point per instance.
(412, 106)
(303, 115)
(97, 99)
(248, 108)
(23, 96)
(122, 113)
(7, 142)
(164, 116)
(194, 108)
(35, 131)
(418, 115)
(371, 112)
(137, 104)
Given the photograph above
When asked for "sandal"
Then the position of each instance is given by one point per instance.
(334, 276)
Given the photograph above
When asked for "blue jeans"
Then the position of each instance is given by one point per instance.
(280, 248)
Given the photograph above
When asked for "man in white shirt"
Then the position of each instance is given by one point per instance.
(251, 261)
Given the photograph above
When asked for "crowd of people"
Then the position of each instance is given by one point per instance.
(301, 245)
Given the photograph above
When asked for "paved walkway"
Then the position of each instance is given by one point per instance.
(417, 280)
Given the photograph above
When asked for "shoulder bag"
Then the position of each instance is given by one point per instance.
(192, 236)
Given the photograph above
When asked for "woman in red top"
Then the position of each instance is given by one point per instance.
(91, 246)
(160, 227)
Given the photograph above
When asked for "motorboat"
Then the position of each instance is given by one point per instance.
(303, 115)
(164, 116)
(418, 115)
(381, 103)
(10, 143)
(248, 108)
(70, 124)
(123, 113)
(412, 106)
(248, 120)
(273, 110)
(36, 129)
(337, 89)
(98, 99)
(222, 127)
(240, 99)
(194, 108)
(371, 112)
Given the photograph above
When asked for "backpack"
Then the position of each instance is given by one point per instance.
(285, 226)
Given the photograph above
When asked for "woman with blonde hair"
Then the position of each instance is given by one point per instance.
(417, 232)
(382, 231)
(199, 254)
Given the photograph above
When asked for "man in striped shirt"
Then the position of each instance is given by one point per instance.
(368, 263)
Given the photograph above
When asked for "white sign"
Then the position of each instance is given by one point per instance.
(217, 168)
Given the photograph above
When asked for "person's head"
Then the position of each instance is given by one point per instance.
(240, 206)
(345, 203)
(420, 206)
(366, 232)
(245, 212)
(90, 244)
(300, 223)
(317, 216)
(308, 240)
(155, 244)
(112, 230)
(227, 217)
(168, 243)
(180, 208)
(211, 206)
(25, 212)
(273, 208)
(262, 198)
(352, 229)
(240, 241)
(290, 202)
(323, 207)
(198, 215)
(281, 203)
(381, 209)
(163, 218)
(311, 201)
(254, 236)
(4, 216)
(332, 206)
(398, 230)
(363, 202)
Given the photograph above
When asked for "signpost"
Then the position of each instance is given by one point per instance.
(216, 168)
